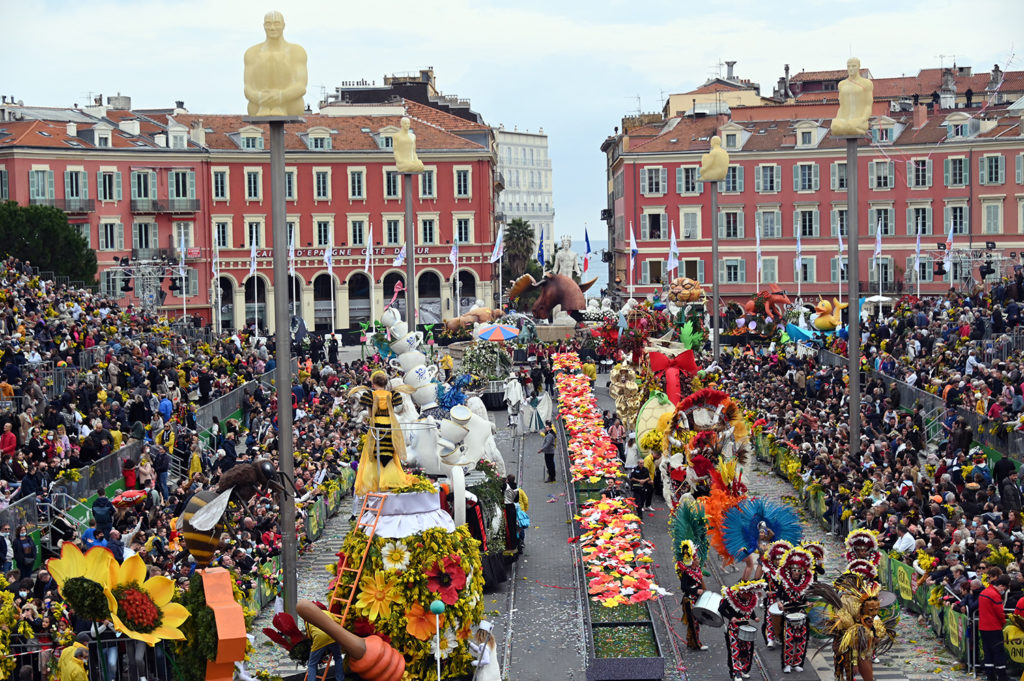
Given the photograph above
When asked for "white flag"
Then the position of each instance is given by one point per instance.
(291, 254)
(453, 257)
(839, 233)
(673, 250)
(949, 247)
(878, 238)
(499, 245)
(633, 250)
(799, 249)
(252, 254)
(917, 253)
(181, 256)
(757, 241)
(400, 258)
(369, 248)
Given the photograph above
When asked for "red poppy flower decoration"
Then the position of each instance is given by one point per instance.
(446, 578)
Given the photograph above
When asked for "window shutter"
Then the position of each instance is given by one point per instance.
(892, 173)
(796, 177)
(49, 184)
(134, 185)
(871, 175)
(910, 173)
(135, 235)
(645, 227)
(4, 189)
(815, 178)
(1020, 168)
(967, 219)
(757, 178)
(700, 185)
(663, 185)
(911, 227)
(193, 281)
(945, 171)
(927, 221)
(928, 172)
(117, 185)
(645, 271)
(777, 178)
(721, 225)
(643, 181)
(796, 222)
(119, 231)
(191, 184)
(743, 271)
(700, 269)
(816, 221)
(834, 217)
(739, 179)
(874, 135)
(85, 185)
(834, 269)
(721, 271)
(99, 185)
(833, 172)
(33, 184)
(154, 233)
(947, 219)
(739, 223)
(1001, 162)
(768, 267)
(679, 180)
(67, 184)
(891, 222)
(872, 221)
(981, 170)
(152, 185)
(759, 224)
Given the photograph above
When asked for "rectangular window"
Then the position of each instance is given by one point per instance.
(290, 224)
(881, 175)
(144, 236)
(839, 223)
(255, 230)
(690, 178)
(427, 184)
(72, 185)
(318, 143)
(806, 138)
(253, 186)
(252, 142)
(652, 226)
(391, 184)
(651, 271)
(111, 236)
(806, 271)
(883, 134)
(730, 140)
(461, 183)
(182, 230)
(40, 184)
(734, 271)
(732, 225)
(355, 184)
(427, 231)
(769, 270)
(222, 234)
(805, 177)
(919, 173)
(733, 179)
(179, 184)
(110, 186)
(767, 178)
(392, 232)
(881, 218)
(289, 185)
(808, 226)
(770, 227)
(220, 184)
(110, 284)
(652, 181)
(839, 176)
(958, 219)
(322, 184)
(920, 221)
(690, 225)
(955, 172)
(142, 185)
(358, 233)
(323, 232)
(992, 170)
(993, 213)
(462, 230)
(5, 192)
(839, 268)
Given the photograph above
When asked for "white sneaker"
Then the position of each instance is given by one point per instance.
(737, 678)
(703, 647)
(787, 669)
(746, 675)
(798, 668)
(771, 645)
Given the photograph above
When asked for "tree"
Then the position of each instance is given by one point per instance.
(42, 236)
(519, 248)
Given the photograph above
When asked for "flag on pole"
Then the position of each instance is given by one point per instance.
(673, 250)
(329, 258)
(917, 253)
(369, 248)
(540, 249)
(181, 256)
(400, 258)
(878, 238)
(586, 256)
(842, 246)
(252, 254)
(799, 248)
(757, 242)
(291, 252)
(216, 264)
(949, 247)
(633, 250)
(499, 245)
(453, 257)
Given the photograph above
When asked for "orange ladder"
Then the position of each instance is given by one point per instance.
(373, 504)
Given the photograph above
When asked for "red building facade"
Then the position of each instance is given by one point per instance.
(142, 185)
(921, 170)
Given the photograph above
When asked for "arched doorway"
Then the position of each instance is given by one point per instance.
(226, 304)
(428, 296)
(358, 299)
(256, 302)
(467, 290)
(323, 308)
(390, 281)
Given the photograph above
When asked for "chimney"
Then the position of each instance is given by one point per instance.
(179, 104)
(198, 132)
(920, 116)
(995, 78)
(728, 73)
(72, 130)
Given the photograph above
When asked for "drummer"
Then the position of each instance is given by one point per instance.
(737, 607)
(795, 576)
(771, 560)
(691, 584)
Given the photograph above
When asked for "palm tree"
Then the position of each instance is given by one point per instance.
(519, 248)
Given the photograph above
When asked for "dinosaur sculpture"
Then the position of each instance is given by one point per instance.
(555, 289)
(774, 300)
(828, 317)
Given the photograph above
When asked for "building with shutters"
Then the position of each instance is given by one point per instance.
(923, 170)
(159, 184)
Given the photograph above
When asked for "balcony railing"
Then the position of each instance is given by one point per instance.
(165, 205)
(871, 287)
(66, 205)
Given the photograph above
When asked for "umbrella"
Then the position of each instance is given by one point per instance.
(497, 332)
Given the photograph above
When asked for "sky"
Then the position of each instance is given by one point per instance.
(572, 68)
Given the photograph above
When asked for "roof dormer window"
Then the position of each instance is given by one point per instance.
(730, 140)
(883, 130)
(103, 139)
(318, 139)
(178, 141)
(252, 142)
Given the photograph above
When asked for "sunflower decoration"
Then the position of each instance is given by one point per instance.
(83, 578)
(141, 608)
(376, 596)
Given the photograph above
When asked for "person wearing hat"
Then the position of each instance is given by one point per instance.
(484, 648)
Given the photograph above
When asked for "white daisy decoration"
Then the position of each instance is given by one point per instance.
(444, 646)
(395, 556)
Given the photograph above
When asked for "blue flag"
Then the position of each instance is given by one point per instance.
(540, 248)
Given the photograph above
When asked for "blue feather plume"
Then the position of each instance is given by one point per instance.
(740, 525)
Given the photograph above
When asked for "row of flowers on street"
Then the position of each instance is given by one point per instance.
(592, 454)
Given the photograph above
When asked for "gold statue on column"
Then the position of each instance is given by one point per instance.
(404, 145)
(856, 95)
(275, 72)
(714, 165)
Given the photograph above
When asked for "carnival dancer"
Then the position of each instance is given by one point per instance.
(858, 632)
(795, 576)
(380, 466)
(771, 561)
(816, 549)
(691, 584)
(862, 544)
(738, 605)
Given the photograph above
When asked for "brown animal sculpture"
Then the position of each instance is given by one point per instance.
(478, 315)
(555, 289)
(773, 305)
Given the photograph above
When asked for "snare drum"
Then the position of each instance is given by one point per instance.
(889, 607)
(746, 633)
(795, 619)
(776, 617)
(705, 610)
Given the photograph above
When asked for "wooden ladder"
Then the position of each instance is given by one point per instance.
(373, 504)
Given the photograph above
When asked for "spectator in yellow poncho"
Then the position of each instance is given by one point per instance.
(72, 663)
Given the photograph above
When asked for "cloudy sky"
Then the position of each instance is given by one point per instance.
(573, 68)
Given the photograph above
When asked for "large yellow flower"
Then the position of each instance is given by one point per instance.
(376, 594)
(82, 579)
(141, 608)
